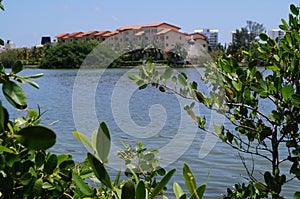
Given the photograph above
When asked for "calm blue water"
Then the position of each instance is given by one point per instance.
(157, 130)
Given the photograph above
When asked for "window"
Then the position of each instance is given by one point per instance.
(167, 44)
(179, 37)
(167, 37)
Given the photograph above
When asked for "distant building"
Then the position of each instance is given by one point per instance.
(276, 33)
(163, 35)
(211, 35)
(9, 45)
(46, 40)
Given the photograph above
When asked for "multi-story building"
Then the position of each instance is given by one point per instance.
(211, 35)
(159, 35)
(276, 33)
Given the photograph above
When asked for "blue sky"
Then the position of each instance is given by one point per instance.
(25, 22)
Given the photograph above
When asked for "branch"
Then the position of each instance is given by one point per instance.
(251, 108)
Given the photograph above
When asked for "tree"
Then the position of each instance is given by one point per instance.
(243, 38)
(238, 91)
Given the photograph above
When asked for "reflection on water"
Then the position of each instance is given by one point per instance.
(55, 95)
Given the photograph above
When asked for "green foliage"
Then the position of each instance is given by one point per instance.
(8, 58)
(238, 91)
(244, 39)
(67, 55)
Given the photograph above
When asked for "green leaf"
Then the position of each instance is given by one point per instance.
(83, 188)
(140, 190)
(189, 179)
(2, 118)
(287, 92)
(4, 149)
(99, 170)
(102, 142)
(237, 85)
(83, 139)
(133, 77)
(167, 74)
(161, 185)
(178, 190)
(296, 99)
(199, 192)
(14, 94)
(32, 83)
(128, 191)
(50, 164)
(37, 137)
(182, 79)
(261, 187)
(297, 195)
(37, 188)
(2, 69)
(294, 9)
(34, 76)
(284, 25)
(263, 36)
(174, 80)
(17, 67)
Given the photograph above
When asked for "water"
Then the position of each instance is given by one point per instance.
(222, 166)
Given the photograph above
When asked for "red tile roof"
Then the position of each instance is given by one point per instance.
(101, 33)
(62, 35)
(197, 36)
(146, 26)
(110, 34)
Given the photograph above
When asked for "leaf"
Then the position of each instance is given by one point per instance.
(83, 188)
(34, 76)
(284, 25)
(189, 179)
(178, 190)
(4, 149)
(50, 164)
(37, 137)
(99, 170)
(140, 190)
(167, 74)
(182, 79)
(128, 191)
(14, 94)
(2, 69)
(102, 142)
(199, 192)
(37, 188)
(296, 99)
(261, 187)
(2, 118)
(133, 77)
(297, 195)
(161, 185)
(32, 83)
(17, 67)
(287, 92)
(83, 139)
(237, 85)
(263, 36)
(294, 9)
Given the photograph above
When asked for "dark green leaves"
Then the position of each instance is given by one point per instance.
(17, 67)
(294, 9)
(36, 137)
(82, 188)
(14, 94)
(102, 142)
(161, 185)
(99, 170)
(128, 190)
(263, 36)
